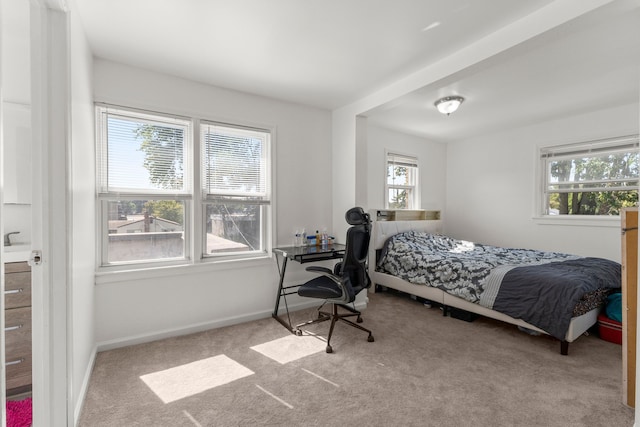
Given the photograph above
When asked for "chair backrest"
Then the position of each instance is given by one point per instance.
(354, 264)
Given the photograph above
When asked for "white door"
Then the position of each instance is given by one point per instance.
(2, 360)
(50, 127)
(45, 75)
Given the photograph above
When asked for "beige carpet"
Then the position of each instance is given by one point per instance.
(422, 370)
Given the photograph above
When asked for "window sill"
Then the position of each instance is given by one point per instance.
(105, 276)
(578, 220)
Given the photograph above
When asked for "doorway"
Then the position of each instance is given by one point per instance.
(32, 34)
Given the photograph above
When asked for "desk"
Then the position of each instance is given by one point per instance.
(301, 254)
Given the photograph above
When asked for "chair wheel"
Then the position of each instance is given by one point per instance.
(329, 349)
(359, 319)
(370, 339)
(298, 332)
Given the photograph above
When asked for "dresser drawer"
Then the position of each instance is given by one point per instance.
(18, 372)
(16, 267)
(17, 332)
(17, 289)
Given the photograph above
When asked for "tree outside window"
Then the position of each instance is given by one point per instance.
(597, 178)
(401, 182)
(148, 203)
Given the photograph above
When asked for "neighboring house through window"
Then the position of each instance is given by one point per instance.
(591, 178)
(401, 183)
(151, 211)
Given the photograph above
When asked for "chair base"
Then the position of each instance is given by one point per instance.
(334, 316)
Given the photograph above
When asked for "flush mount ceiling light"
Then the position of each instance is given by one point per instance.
(448, 104)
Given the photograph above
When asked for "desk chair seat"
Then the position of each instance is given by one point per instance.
(341, 286)
(321, 287)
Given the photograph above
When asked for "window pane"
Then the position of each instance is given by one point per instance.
(398, 175)
(399, 198)
(234, 227)
(143, 155)
(234, 161)
(401, 182)
(591, 203)
(607, 167)
(594, 178)
(145, 230)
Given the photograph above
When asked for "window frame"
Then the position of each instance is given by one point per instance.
(194, 228)
(548, 153)
(263, 198)
(414, 200)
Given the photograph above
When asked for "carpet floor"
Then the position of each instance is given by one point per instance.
(423, 369)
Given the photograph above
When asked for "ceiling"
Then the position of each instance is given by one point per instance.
(590, 63)
(330, 53)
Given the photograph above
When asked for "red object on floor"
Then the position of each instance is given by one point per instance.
(609, 330)
(19, 413)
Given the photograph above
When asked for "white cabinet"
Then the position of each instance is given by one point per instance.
(17, 153)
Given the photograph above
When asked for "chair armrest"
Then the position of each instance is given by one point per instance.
(318, 269)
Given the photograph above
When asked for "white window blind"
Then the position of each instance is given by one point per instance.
(401, 160)
(234, 162)
(146, 166)
(143, 154)
(591, 178)
(606, 165)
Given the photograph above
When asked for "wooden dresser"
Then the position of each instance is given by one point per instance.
(629, 222)
(18, 326)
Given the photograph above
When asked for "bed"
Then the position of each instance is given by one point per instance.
(504, 284)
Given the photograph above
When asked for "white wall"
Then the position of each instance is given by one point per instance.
(431, 160)
(140, 307)
(82, 199)
(491, 185)
(16, 98)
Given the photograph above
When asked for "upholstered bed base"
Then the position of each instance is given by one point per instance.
(384, 229)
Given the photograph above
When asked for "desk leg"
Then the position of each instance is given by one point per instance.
(282, 294)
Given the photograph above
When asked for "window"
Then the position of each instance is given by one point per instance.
(235, 188)
(593, 178)
(401, 184)
(150, 209)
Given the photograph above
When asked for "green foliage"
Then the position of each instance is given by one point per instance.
(586, 181)
(398, 200)
(398, 197)
(127, 208)
(163, 148)
(170, 210)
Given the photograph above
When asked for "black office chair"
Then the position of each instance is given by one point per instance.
(340, 286)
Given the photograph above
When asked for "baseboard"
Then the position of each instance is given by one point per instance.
(199, 327)
(85, 386)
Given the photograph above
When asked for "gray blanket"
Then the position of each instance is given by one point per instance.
(538, 287)
(529, 293)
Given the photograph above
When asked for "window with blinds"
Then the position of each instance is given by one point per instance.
(234, 162)
(401, 182)
(235, 188)
(144, 186)
(591, 178)
(143, 153)
(147, 164)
